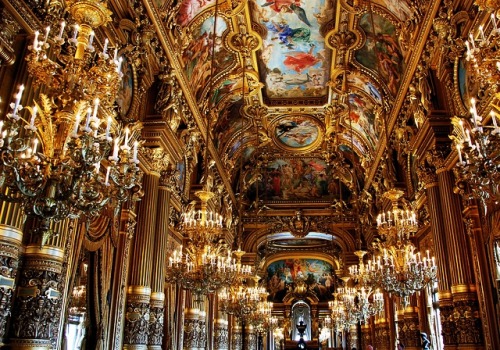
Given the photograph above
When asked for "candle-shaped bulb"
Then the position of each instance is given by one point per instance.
(35, 40)
(127, 132)
(47, 31)
(76, 27)
(105, 48)
(33, 116)
(61, 30)
(106, 181)
(91, 39)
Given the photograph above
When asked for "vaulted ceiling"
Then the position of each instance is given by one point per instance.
(300, 98)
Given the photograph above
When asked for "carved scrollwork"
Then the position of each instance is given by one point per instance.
(136, 323)
(221, 337)
(467, 322)
(36, 311)
(156, 322)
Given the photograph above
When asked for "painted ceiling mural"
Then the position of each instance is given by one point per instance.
(197, 56)
(293, 61)
(381, 51)
(362, 118)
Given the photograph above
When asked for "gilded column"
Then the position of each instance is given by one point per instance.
(411, 325)
(353, 337)
(157, 303)
(382, 334)
(37, 308)
(467, 323)
(221, 340)
(484, 281)
(366, 335)
(236, 336)
(139, 290)
(428, 176)
(201, 343)
(11, 221)
(120, 272)
(400, 325)
(250, 339)
(191, 329)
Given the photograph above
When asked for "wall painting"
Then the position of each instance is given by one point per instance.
(296, 179)
(282, 275)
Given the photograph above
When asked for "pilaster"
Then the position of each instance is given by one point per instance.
(353, 337)
(236, 336)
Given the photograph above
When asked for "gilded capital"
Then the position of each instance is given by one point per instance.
(427, 175)
(156, 159)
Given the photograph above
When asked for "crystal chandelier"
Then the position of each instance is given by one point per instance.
(398, 223)
(240, 299)
(205, 264)
(399, 268)
(342, 317)
(51, 156)
(261, 318)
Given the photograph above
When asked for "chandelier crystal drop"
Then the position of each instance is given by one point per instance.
(205, 264)
(52, 151)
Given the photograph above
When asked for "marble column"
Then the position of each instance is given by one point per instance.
(137, 313)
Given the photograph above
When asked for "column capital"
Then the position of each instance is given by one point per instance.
(155, 160)
(427, 175)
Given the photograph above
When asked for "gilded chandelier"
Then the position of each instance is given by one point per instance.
(478, 148)
(51, 156)
(476, 138)
(205, 264)
(240, 299)
(399, 268)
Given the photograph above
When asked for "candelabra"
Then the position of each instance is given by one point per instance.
(205, 264)
(399, 268)
(51, 162)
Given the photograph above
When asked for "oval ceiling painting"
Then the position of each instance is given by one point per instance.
(297, 132)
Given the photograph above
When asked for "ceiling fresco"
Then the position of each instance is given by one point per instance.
(320, 77)
(293, 61)
(381, 51)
